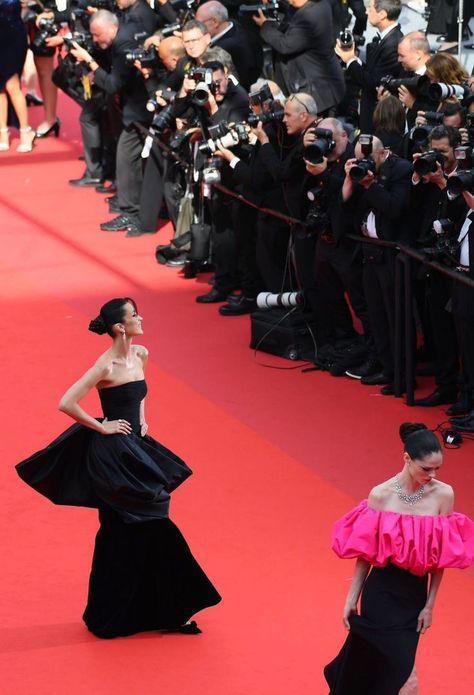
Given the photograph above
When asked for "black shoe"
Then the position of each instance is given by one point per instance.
(118, 224)
(466, 426)
(84, 181)
(102, 188)
(54, 128)
(212, 297)
(238, 308)
(376, 379)
(114, 207)
(461, 407)
(351, 356)
(436, 398)
(369, 368)
(134, 230)
(186, 629)
(178, 261)
(33, 100)
(462, 420)
(112, 199)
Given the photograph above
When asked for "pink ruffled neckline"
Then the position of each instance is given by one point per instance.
(420, 543)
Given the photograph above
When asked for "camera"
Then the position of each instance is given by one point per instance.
(166, 94)
(269, 9)
(420, 133)
(205, 85)
(428, 162)
(392, 84)
(275, 114)
(83, 39)
(47, 28)
(320, 147)
(470, 126)
(348, 40)
(211, 172)
(317, 218)
(366, 164)
(259, 98)
(148, 57)
(169, 30)
(285, 300)
(441, 91)
(464, 156)
(445, 244)
(223, 135)
(461, 181)
(164, 120)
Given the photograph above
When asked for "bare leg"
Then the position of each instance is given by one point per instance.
(49, 91)
(4, 138)
(411, 686)
(30, 78)
(17, 98)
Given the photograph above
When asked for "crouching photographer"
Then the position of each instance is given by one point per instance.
(123, 80)
(338, 259)
(433, 217)
(375, 197)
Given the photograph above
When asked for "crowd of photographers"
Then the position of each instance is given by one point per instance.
(183, 103)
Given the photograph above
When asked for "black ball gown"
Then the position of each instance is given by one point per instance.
(143, 575)
(13, 42)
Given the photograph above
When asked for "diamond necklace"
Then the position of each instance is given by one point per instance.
(408, 499)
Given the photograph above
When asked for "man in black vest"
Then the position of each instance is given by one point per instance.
(381, 58)
(304, 53)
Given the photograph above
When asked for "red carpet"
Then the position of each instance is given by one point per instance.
(277, 456)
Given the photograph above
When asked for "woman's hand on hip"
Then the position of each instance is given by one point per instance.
(116, 427)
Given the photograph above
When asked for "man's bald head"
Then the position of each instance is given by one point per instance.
(170, 51)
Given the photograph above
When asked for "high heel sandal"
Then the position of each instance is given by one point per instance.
(33, 100)
(26, 146)
(4, 146)
(54, 128)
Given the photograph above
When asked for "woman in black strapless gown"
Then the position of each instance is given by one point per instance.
(143, 575)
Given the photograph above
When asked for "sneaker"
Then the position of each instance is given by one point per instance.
(368, 368)
(118, 224)
(351, 357)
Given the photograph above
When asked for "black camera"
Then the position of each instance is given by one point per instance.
(317, 218)
(275, 114)
(164, 120)
(461, 181)
(366, 164)
(169, 30)
(322, 145)
(444, 244)
(224, 135)
(148, 57)
(420, 133)
(83, 39)
(392, 84)
(427, 163)
(269, 9)
(205, 85)
(166, 94)
(47, 28)
(348, 40)
(464, 156)
(259, 98)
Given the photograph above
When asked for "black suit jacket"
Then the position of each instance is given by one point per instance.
(388, 198)
(236, 44)
(124, 79)
(305, 57)
(381, 59)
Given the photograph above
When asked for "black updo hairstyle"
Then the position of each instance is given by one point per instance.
(418, 440)
(111, 313)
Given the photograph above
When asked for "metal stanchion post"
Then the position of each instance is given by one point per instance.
(398, 347)
(409, 337)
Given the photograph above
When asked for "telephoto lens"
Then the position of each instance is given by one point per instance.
(460, 182)
(285, 300)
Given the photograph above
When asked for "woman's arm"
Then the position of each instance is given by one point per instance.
(142, 354)
(425, 616)
(361, 571)
(69, 404)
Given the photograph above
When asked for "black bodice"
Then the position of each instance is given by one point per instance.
(123, 402)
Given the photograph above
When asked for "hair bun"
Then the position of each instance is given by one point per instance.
(408, 428)
(98, 325)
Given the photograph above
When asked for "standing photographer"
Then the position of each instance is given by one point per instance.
(125, 81)
(375, 196)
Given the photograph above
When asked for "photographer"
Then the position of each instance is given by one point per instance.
(381, 57)
(125, 81)
(413, 54)
(338, 260)
(304, 53)
(375, 197)
(430, 205)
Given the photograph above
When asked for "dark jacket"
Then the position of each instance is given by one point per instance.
(305, 58)
(236, 44)
(381, 59)
(124, 79)
(388, 198)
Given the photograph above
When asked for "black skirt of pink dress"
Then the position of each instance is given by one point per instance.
(379, 652)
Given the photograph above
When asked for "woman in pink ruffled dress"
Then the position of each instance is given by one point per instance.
(403, 536)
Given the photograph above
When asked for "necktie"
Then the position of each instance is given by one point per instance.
(376, 39)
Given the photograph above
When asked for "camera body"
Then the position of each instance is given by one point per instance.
(392, 84)
(82, 38)
(464, 155)
(366, 164)
(317, 218)
(274, 114)
(420, 133)
(321, 146)
(461, 181)
(166, 94)
(269, 9)
(348, 40)
(148, 57)
(259, 98)
(205, 85)
(47, 28)
(428, 162)
(444, 244)
(164, 120)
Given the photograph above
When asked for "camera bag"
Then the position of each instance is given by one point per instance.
(283, 332)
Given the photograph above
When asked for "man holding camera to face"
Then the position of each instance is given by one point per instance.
(375, 197)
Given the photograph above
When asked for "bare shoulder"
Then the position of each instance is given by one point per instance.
(141, 352)
(445, 496)
(380, 494)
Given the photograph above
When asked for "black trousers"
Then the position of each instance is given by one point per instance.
(130, 170)
(90, 120)
(245, 226)
(338, 270)
(223, 242)
(272, 252)
(443, 331)
(152, 191)
(463, 312)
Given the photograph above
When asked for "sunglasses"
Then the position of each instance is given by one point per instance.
(296, 98)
